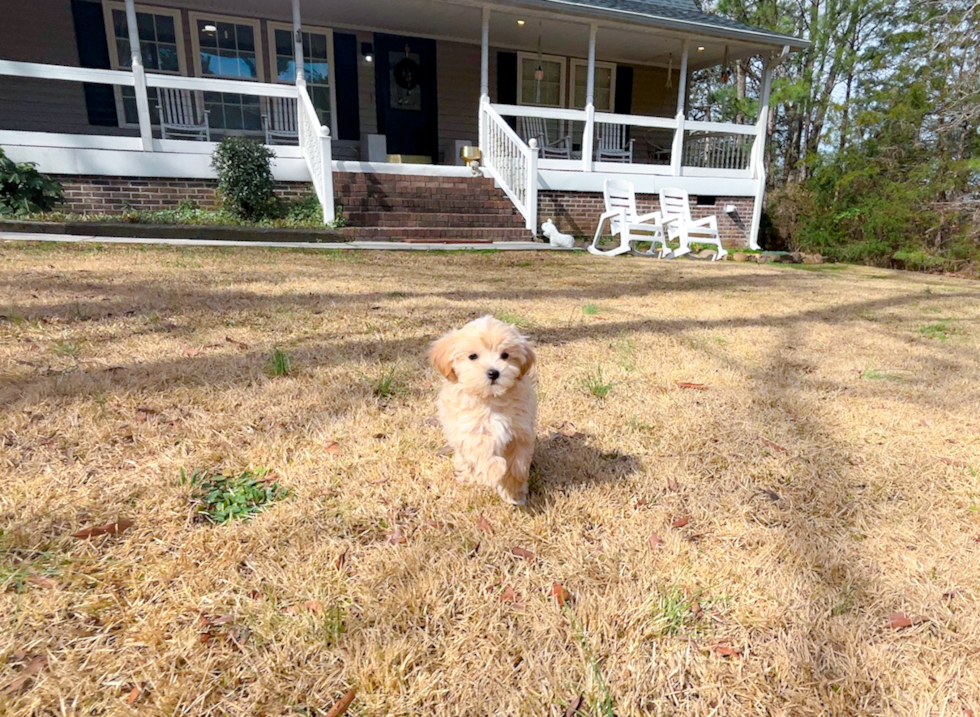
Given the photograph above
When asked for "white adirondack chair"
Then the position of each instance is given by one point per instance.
(620, 200)
(611, 144)
(182, 115)
(279, 121)
(537, 128)
(675, 206)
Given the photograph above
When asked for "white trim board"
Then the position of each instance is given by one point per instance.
(552, 180)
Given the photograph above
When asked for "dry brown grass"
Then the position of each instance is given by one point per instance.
(809, 469)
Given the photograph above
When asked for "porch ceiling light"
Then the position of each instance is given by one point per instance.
(367, 51)
(700, 48)
(521, 23)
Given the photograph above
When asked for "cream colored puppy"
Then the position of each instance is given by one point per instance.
(487, 405)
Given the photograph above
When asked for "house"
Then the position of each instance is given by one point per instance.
(122, 102)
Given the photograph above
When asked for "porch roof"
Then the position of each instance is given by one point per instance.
(682, 15)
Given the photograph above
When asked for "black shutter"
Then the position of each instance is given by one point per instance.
(348, 100)
(507, 82)
(624, 90)
(93, 51)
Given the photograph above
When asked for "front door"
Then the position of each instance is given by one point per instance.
(405, 85)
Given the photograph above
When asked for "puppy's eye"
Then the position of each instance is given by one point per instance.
(505, 356)
(473, 357)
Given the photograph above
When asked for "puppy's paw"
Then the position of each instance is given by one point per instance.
(514, 496)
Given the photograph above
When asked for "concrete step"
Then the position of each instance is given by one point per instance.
(441, 219)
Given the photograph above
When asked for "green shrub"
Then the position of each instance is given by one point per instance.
(24, 190)
(244, 169)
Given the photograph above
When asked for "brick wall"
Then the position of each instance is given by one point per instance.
(577, 213)
(95, 195)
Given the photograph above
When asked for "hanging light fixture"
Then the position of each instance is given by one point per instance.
(725, 71)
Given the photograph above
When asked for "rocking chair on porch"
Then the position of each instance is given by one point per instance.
(620, 200)
(611, 143)
(537, 128)
(279, 121)
(182, 115)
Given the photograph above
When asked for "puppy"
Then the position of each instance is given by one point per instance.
(487, 405)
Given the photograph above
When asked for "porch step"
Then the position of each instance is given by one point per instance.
(379, 218)
(416, 208)
(443, 235)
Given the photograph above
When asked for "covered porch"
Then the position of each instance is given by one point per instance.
(558, 96)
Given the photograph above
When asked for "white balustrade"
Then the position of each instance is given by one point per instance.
(512, 163)
(314, 140)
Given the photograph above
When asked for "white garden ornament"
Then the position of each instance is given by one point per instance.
(555, 237)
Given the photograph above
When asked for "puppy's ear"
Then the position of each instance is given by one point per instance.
(441, 355)
(529, 360)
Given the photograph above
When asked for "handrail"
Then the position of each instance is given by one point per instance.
(511, 162)
(314, 141)
(216, 84)
(64, 72)
(636, 120)
(720, 127)
(543, 112)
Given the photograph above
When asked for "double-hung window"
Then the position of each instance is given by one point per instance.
(229, 48)
(161, 45)
(605, 85)
(317, 65)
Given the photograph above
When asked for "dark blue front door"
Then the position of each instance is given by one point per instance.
(405, 85)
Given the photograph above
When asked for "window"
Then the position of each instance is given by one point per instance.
(317, 65)
(161, 44)
(228, 48)
(540, 81)
(605, 85)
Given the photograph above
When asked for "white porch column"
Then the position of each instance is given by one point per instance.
(588, 136)
(758, 159)
(298, 47)
(484, 74)
(677, 150)
(139, 78)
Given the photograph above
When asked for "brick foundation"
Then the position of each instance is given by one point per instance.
(577, 213)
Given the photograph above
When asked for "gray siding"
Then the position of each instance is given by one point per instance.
(458, 70)
(25, 38)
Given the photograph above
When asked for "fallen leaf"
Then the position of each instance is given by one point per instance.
(476, 549)
(30, 671)
(381, 436)
(694, 386)
(107, 529)
(952, 462)
(345, 701)
(293, 609)
(341, 559)
(239, 344)
(641, 502)
(331, 447)
(134, 694)
(314, 606)
(725, 651)
(968, 712)
(222, 620)
(191, 351)
(899, 620)
(446, 450)
(205, 637)
(522, 553)
(696, 609)
(574, 707)
(484, 525)
(680, 522)
(508, 595)
(770, 444)
(949, 595)
(147, 409)
(655, 541)
(672, 485)
(560, 594)
(397, 537)
(770, 494)
(381, 481)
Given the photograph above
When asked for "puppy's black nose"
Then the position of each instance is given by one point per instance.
(494, 374)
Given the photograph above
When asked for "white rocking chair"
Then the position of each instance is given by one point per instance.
(182, 115)
(537, 128)
(611, 144)
(675, 206)
(620, 200)
(279, 122)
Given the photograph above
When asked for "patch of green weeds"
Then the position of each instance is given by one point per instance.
(229, 496)
(68, 348)
(386, 386)
(590, 310)
(875, 375)
(596, 384)
(941, 331)
(509, 317)
(279, 363)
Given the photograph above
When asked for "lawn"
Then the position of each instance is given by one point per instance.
(755, 490)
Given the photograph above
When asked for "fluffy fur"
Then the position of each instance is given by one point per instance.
(487, 405)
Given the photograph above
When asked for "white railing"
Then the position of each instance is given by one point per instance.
(511, 162)
(314, 140)
(699, 146)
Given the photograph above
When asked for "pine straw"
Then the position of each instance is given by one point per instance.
(817, 500)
